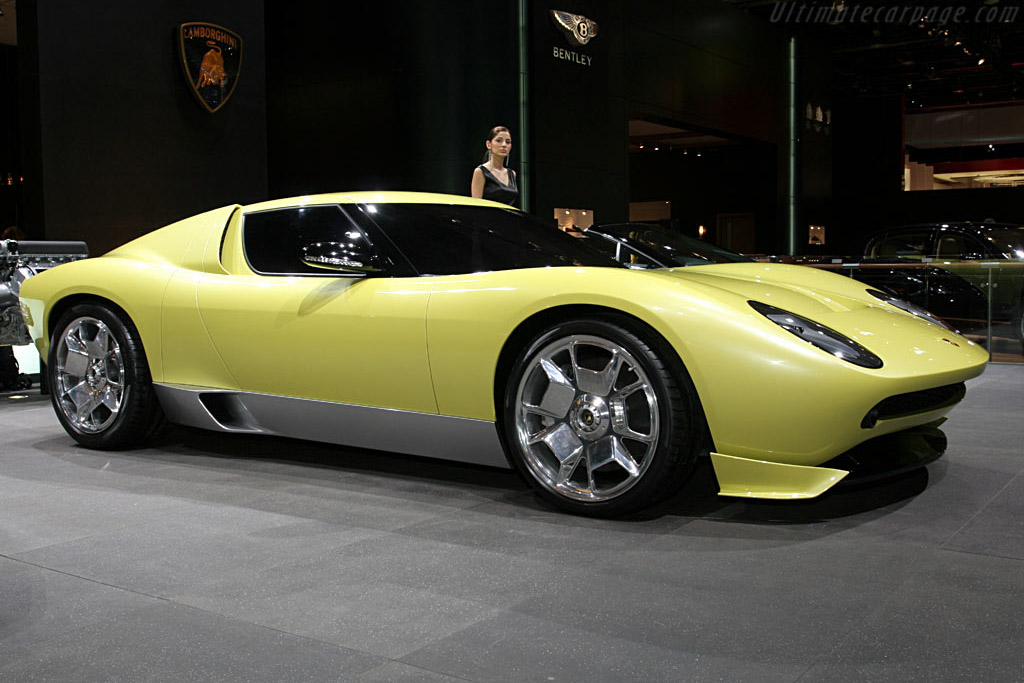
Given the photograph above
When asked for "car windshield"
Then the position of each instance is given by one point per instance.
(672, 246)
(442, 239)
(1009, 241)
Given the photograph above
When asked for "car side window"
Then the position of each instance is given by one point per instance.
(951, 245)
(634, 259)
(907, 244)
(274, 239)
(618, 251)
(440, 239)
(959, 246)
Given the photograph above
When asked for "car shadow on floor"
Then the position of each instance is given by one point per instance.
(698, 497)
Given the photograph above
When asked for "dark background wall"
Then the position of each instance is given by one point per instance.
(727, 180)
(696, 65)
(400, 97)
(579, 115)
(814, 146)
(868, 196)
(395, 96)
(707, 65)
(10, 140)
(111, 130)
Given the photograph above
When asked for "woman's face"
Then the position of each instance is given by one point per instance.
(500, 145)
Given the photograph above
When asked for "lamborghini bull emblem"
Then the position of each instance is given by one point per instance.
(212, 58)
(211, 71)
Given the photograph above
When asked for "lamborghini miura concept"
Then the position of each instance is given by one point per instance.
(456, 328)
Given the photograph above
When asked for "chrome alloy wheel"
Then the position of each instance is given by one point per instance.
(90, 375)
(586, 417)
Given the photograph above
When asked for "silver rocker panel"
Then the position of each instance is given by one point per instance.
(386, 429)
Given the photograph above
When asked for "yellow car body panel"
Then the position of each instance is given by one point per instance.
(780, 399)
(361, 341)
(746, 478)
(775, 405)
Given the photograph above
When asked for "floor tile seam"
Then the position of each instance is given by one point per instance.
(76, 539)
(851, 630)
(72, 575)
(370, 534)
(80, 484)
(183, 605)
(794, 527)
(167, 601)
(614, 638)
(981, 509)
(419, 667)
(489, 612)
(976, 553)
(404, 532)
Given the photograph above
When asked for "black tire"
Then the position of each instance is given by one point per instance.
(648, 394)
(99, 379)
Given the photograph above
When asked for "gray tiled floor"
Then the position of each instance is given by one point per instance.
(208, 558)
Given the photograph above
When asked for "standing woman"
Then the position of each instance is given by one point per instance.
(493, 179)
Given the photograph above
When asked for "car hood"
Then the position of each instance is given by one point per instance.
(838, 302)
(798, 289)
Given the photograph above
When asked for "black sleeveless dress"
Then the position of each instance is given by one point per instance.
(497, 191)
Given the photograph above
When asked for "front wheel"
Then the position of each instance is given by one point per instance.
(600, 420)
(99, 379)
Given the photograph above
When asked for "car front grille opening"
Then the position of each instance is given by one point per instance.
(914, 403)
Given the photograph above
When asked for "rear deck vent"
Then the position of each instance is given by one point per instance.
(914, 403)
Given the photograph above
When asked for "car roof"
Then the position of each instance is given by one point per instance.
(623, 229)
(371, 197)
(980, 226)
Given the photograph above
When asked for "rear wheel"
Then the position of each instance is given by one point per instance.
(601, 420)
(99, 379)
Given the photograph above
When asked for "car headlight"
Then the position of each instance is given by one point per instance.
(823, 337)
(910, 308)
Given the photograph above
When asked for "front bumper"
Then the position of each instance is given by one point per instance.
(877, 458)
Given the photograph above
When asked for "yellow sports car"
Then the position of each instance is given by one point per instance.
(456, 328)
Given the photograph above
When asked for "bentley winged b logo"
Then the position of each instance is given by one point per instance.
(575, 26)
(212, 58)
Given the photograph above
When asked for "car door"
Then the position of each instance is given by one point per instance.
(286, 328)
(969, 257)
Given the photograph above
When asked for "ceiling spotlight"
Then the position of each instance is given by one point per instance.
(981, 61)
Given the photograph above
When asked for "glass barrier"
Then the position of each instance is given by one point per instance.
(982, 299)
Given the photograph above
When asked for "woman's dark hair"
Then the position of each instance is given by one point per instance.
(497, 129)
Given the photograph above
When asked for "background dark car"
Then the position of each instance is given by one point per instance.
(988, 255)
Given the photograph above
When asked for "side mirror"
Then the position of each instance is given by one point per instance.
(344, 258)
